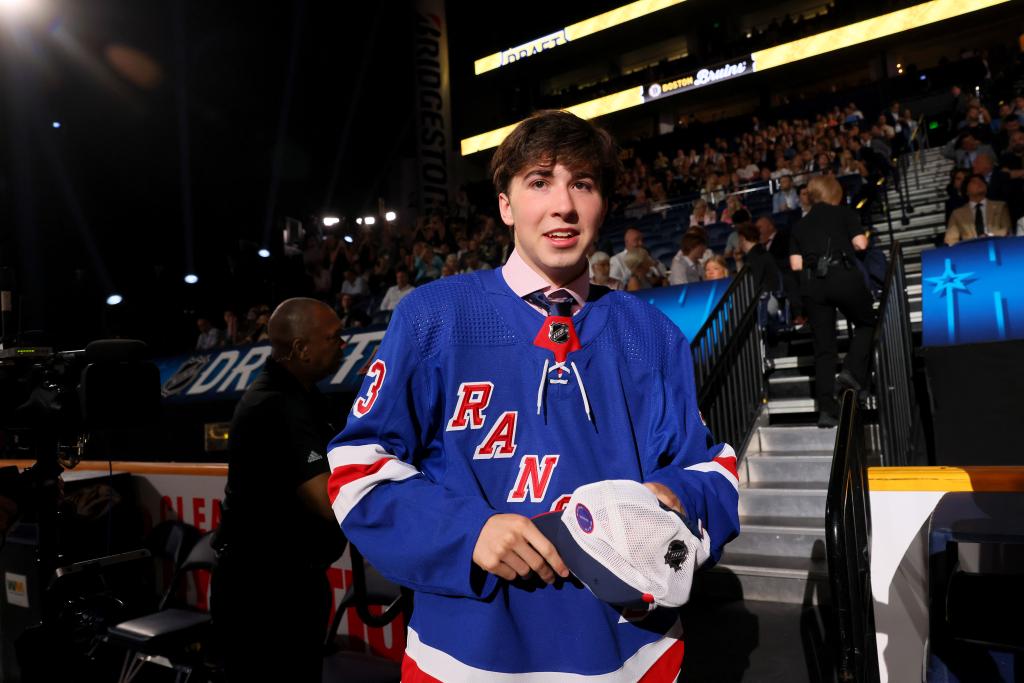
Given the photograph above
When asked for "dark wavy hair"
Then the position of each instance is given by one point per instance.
(551, 136)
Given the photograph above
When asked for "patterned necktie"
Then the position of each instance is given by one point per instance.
(979, 219)
(560, 306)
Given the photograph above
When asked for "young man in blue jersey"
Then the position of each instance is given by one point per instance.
(493, 397)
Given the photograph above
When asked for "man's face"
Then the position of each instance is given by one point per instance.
(804, 198)
(982, 165)
(976, 189)
(203, 324)
(602, 268)
(785, 183)
(1017, 142)
(555, 213)
(633, 238)
(765, 228)
(346, 301)
(401, 279)
(969, 144)
(324, 346)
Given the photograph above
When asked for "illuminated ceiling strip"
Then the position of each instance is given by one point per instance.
(585, 110)
(581, 29)
(812, 46)
(867, 30)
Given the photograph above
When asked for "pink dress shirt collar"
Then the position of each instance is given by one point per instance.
(523, 280)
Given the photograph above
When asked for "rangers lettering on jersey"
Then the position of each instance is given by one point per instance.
(474, 397)
(501, 440)
(533, 478)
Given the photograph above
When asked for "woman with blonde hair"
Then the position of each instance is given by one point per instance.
(715, 268)
(822, 251)
(702, 214)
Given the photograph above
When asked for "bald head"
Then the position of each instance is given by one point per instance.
(295, 319)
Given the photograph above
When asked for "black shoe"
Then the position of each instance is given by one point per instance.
(847, 381)
(827, 420)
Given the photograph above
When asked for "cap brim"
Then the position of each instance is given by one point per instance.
(594, 575)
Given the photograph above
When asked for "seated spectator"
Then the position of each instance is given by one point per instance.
(955, 191)
(349, 313)
(633, 239)
(1012, 160)
(755, 257)
(715, 268)
(774, 242)
(998, 181)
(209, 337)
(849, 166)
(319, 279)
(732, 245)
(258, 331)
(805, 202)
(702, 214)
(426, 264)
(601, 267)
(747, 170)
(353, 284)
(397, 291)
(685, 264)
(471, 262)
(235, 330)
(980, 216)
(732, 206)
(787, 198)
(963, 150)
(641, 267)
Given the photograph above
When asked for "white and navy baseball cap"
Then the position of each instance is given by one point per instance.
(628, 549)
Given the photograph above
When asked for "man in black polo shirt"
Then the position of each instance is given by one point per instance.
(270, 595)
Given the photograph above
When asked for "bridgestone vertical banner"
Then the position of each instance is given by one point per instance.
(433, 105)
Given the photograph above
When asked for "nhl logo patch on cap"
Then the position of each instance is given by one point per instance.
(584, 518)
(558, 333)
(676, 555)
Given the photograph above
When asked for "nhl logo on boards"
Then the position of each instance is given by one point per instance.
(676, 555)
(558, 333)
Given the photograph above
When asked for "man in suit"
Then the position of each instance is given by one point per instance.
(998, 180)
(969, 149)
(979, 216)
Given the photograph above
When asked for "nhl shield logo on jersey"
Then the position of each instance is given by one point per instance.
(559, 333)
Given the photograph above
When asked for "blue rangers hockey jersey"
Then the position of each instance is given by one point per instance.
(462, 416)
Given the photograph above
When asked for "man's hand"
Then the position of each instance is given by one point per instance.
(510, 546)
(667, 498)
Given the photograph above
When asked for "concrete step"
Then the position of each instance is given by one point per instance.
(803, 439)
(801, 405)
(767, 499)
(784, 466)
(779, 537)
(792, 580)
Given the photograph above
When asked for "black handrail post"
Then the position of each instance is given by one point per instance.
(848, 549)
(888, 214)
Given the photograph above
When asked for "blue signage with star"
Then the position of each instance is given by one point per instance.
(973, 292)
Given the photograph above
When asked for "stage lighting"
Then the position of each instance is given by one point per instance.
(331, 220)
(348, 238)
(191, 279)
(369, 220)
(55, 124)
(264, 253)
(390, 216)
(359, 221)
(114, 299)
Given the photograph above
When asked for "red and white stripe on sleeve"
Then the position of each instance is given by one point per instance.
(724, 463)
(355, 470)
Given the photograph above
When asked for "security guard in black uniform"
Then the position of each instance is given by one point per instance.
(270, 596)
(822, 249)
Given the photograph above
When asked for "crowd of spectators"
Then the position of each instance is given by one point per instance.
(985, 195)
(752, 181)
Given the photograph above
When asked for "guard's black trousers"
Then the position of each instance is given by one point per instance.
(271, 621)
(842, 289)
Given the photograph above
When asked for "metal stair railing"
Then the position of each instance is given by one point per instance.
(728, 363)
(892, 361)
(848, 550)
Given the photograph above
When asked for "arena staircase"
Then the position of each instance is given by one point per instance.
(784, 470)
